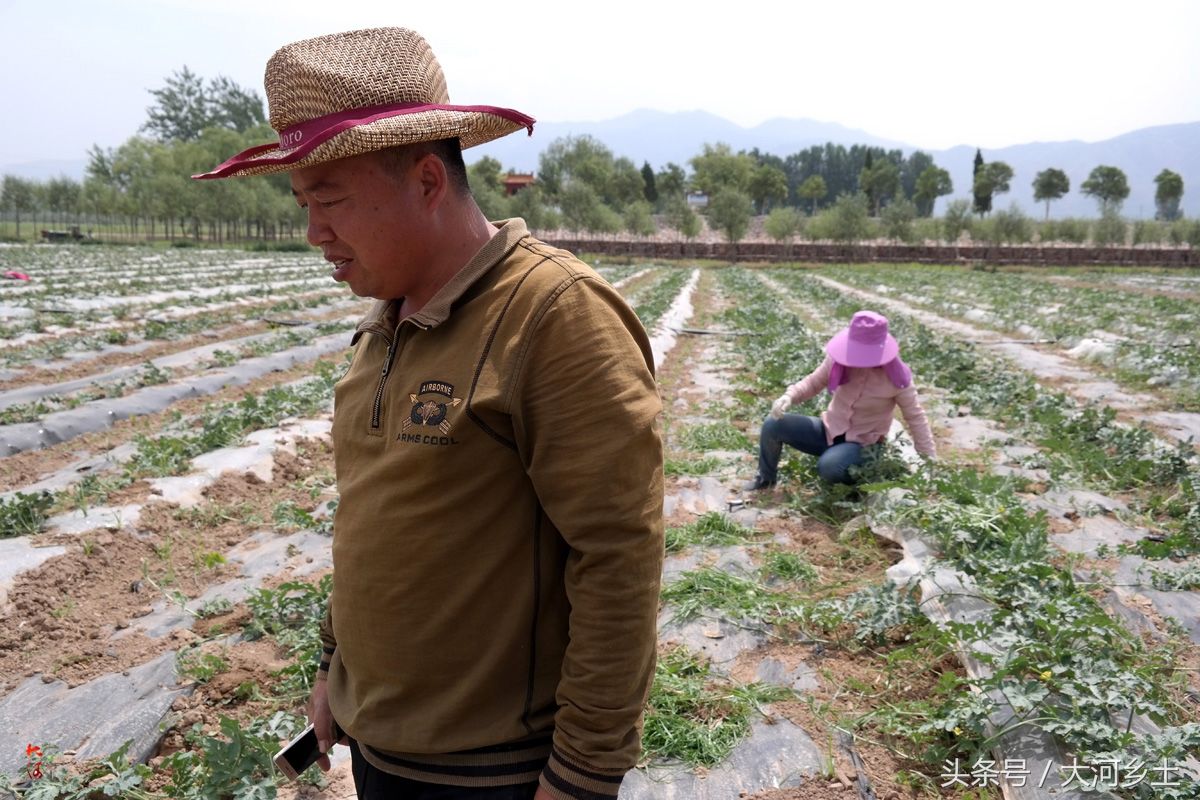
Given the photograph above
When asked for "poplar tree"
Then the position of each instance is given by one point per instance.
(649, 190)
(983, 200)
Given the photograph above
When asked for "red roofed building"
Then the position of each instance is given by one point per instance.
(515, 182)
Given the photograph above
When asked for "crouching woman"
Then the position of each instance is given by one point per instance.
(866, 380)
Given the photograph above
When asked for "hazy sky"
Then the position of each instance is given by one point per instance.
(932, 74)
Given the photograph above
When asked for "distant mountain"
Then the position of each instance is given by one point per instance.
(660, 137)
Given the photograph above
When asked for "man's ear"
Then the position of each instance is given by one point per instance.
(435, 181)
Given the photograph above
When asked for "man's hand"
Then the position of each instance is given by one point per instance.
(542, 794)
(780, 406)
(322, 719)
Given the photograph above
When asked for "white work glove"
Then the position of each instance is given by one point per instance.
(780, 406)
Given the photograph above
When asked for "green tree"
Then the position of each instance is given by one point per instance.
(768, 187)
(813, 188)
(486, 173)
(1050, 184)
(134, 163)
(839, 166)
(849, 219)
(625, 184)
(637, 218)
(1108, 186)
(992, 179)
(1109, 229)
(1185, 231)
(17, 195)
(494, 205)
(864, 180)
(897, 217)
(99, 165)
(911, 169)
(879, 181)
(717, 167)
(649, 190)
(231, 106)
(570, 162)
(1008, 226)
(185, 106)
(682, 218)
(671, 184)
(170, 197)
(729, 211)
(486, 180)
(100, 193)
(956, 220)
(580, 206)
(530, 205)
(180, 110)
(62, 197)
(932, 183)
(607, 221)
(574, 159)
(1168, 192)
(223, 207)
(783, 223)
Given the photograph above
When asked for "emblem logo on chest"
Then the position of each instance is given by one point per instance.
(431, 407)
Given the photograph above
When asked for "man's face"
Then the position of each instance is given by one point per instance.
(365, 214)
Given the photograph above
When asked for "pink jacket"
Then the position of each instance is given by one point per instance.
(863, 406)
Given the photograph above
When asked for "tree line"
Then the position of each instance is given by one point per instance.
(827, 191)
(143, 187)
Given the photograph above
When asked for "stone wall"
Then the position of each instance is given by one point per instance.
(893, 253)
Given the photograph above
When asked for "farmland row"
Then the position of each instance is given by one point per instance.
(771, 601)
(196, 524)
(982, 530)
(46, 289)
(1146, 337)
(79, 351)
(758, 602)
(65, 263)
(1079, 442)
(123, 272)
(84, 413)
(90, 308)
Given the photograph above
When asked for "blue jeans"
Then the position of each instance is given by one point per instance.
(806, 434)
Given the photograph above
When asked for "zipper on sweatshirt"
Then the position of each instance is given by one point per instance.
(377, 408)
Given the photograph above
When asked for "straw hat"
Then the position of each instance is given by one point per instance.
(351, 93)
(865, 342)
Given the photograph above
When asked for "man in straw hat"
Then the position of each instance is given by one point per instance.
(498, 542)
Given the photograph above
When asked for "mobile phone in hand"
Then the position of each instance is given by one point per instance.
(299, 754)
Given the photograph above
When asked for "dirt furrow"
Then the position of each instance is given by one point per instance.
(1051, 368)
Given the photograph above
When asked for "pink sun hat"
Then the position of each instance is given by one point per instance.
(865, 342)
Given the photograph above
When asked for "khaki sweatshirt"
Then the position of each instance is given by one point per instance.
(499, 537)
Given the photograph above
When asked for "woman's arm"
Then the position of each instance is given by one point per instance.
(915, 421)
(811, 384)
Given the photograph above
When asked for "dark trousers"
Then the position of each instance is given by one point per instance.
(375, 784)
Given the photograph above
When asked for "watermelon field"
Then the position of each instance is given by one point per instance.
(1018, 619)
